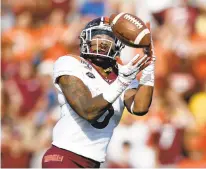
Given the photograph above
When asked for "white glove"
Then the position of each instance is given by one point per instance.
(147, 77)
(126, 73)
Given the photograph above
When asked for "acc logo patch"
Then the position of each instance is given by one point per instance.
(87, 65)
(89, 74)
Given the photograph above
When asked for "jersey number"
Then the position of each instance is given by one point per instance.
(105, 122)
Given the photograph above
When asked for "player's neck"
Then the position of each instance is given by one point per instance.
(104, 72)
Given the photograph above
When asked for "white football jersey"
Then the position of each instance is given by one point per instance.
(74, 133)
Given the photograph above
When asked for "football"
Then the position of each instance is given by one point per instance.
(130, 29)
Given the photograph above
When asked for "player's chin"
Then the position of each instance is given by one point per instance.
(102, 61)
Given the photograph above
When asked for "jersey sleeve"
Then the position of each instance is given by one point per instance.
(66, 65)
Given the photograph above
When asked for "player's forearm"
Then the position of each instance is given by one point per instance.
(87, 107)
(95, 107)
(143, 96)
(99, 104)
(80, 98)
(142, 100)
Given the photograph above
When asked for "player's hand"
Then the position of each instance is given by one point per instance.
(128, 72)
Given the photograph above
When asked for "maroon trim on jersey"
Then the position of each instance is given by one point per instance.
(111, 78)
(59, 158)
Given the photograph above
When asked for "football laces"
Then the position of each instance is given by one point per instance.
(133, 20)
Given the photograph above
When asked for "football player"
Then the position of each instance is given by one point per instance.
(93, 90)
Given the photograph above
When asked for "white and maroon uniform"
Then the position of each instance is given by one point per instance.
(74, 133)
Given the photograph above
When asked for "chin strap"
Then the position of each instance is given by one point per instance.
(104, 62)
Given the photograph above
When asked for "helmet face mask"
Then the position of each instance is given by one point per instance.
(102, 47)
(99, 27)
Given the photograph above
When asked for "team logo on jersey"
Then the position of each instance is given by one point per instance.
(89, 74)
(53, 157)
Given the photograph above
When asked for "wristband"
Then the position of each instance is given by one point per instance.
(114, 90)
(147, 77)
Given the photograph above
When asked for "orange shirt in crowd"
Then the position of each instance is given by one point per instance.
(50, 41)
(55, 51)
(23, 42)
(188, 163)
(49, 35)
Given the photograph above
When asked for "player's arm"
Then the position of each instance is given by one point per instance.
(138, 101)
(80, 99)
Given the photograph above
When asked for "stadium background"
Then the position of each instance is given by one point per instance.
(36, 32)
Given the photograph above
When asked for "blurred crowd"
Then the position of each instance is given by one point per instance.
(36, 32)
